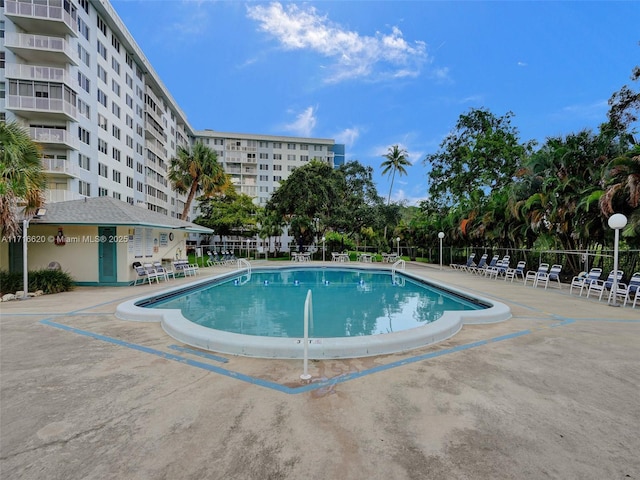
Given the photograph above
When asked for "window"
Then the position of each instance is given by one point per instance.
(84, 136)
(102, 98)
(102, 26)
(115, 42)
(129, 121)
(102, 50)
(102, 122)
(304, 147)
(277, 167)
(115, 153)
(128, 80)
(304, 158)
(129, 101)
(264, 178)
(83, 55)
(83, 28)
(317, 148)
(102, 146)
(138, 167)
(277, 156)
(84, 162)
(102, 74)
(130, 182)
(115, 65)
(84, 109)
(103, 192)
(264, 156)
(129, 161)
(291, 158)
(277, 178)
(264, 166)
(115, 87)
(85, 5)
(115, 175)
(129, 141)
(129, 60)
(103, 170)
(117, 196)
(115, 109)
(84, 188)
(115, 131)
(84, 82)
(291, 146)
(139, 186)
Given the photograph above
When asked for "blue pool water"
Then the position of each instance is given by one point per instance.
(346, 303)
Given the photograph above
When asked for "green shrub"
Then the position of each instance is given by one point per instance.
(49, 281)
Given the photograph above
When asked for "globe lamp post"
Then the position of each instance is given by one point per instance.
(617, 221)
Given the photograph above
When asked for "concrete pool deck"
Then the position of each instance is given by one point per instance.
(552, 393)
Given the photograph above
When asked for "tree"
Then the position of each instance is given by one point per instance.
(396, 161)
(310, 192)
(229, 214)
(22, 180)
(194, 170)
(481, 154)
(624, 106)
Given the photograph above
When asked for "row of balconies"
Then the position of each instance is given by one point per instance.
(28, 105)
(240, 149)
(21, 71)
(156, 147)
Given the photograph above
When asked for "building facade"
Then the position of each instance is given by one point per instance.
(72, 74)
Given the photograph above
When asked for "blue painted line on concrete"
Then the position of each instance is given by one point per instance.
(275, 386)
(191, 351)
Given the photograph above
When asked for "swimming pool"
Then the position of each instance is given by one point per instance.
(261, 314)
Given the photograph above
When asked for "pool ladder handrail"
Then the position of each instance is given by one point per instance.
(242, 262)
(399, 264)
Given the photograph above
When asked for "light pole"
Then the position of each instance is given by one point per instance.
(323, 239)
(617, 221)
(248, 242)
(25, 267)
(398, 246)
(441, 236)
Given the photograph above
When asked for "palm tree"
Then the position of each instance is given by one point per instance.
(396, 161)
(195, 170)
(22, 181)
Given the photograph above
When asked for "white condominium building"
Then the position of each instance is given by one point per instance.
(72, 74)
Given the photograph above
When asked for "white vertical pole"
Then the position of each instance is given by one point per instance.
(25, 267)
(614, 287)
(308, 312)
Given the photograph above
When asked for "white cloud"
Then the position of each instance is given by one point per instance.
(385, 55)
(190, 22)
(348, 136)
(304, 123)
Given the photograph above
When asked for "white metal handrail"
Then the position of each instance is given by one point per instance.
(242, 262)
(399, 265)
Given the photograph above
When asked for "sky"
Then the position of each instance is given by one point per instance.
(372, 74)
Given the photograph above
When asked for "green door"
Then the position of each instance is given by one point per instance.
(107, 252)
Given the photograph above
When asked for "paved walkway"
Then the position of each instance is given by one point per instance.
(552, 393)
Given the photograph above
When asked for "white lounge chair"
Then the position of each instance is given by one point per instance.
(625, 292)
(602, 286)
(554, 274)
(515, 272)
(583, 280)
(533, 275)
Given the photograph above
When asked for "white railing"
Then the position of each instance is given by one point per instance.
(54, 196)
(60, 166)
(51, 11)
(244, 263)
(52, 135)
(37, 72)
(53, 105)
(399, 265)
(37, 42)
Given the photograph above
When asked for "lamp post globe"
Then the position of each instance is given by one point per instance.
(441, 236)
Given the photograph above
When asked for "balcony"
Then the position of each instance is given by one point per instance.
(47, 16)
(59, 167)
(53, 137)
(42, 108)
(54, 196)
(38, 73)
(156, 148)
(40, 48)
